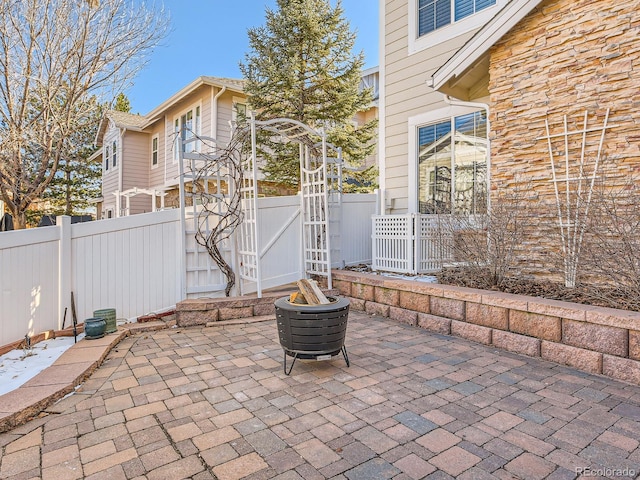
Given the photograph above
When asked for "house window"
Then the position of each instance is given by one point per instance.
(186, 127)
(452, 165)
(114, 154)
(434, 14)
(107, 157)
(154, 151)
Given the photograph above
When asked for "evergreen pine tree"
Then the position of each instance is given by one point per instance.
(77, 180)
(122, 103)
(301, 66)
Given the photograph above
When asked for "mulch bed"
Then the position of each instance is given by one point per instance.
(582, 293)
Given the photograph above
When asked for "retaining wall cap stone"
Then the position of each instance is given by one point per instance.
(557, 308)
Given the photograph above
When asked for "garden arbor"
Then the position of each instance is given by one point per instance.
(221, 210)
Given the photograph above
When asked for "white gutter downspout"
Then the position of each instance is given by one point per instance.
(166, 145)
(120, 168)
(461, 103)
(382, 111)
(214, 113)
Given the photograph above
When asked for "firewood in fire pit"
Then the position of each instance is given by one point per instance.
(312, 292)
(298, 299)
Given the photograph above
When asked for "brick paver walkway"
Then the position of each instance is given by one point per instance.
(208, 403)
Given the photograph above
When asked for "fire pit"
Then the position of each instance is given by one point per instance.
(312, 332)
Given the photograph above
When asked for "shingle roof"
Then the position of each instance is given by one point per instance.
(127, 120)
(233, 83)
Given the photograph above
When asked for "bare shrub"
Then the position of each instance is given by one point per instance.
(612, 242)
(488, 245)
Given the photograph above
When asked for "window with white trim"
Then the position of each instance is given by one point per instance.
(434, 14)
(435, 21)
(107, 158)
(154, 151)
(114, 154)
(185, 127)
(452, 165)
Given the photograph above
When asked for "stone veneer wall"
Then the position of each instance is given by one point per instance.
(564, 57)
(594, 339)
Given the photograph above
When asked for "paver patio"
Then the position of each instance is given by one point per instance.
(213, 402)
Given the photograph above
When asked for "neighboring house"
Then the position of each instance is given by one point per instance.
(370, 79)
(139, 153)
(459, 75)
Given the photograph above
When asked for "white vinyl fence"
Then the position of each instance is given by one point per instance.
(134, 264)
(129, 263)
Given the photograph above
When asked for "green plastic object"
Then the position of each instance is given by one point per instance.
(109, 315)
(94, 328)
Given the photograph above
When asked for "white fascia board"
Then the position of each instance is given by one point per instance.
(95, 155)
(484, 39)
(157, 112)
(175, 98)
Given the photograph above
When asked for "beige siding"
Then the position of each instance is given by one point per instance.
(156, 175)
(225, 110)
(135, 173)
(407, 94)
(110, 178)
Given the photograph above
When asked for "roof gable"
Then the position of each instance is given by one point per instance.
(231, 84)
(129, 121)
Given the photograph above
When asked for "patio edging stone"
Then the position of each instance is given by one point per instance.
(72, 368)
(206, 311)
(598, 340)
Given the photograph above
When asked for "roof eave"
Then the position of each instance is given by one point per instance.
(478, 45)
(157, 112)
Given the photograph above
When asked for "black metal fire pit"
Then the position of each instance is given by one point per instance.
(312, 332)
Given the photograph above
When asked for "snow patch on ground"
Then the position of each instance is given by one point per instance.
(19, 366)
(415, 278)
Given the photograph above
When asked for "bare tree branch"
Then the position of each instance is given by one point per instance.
(54, 55)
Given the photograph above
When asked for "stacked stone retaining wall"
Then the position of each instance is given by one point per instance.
(593, 339)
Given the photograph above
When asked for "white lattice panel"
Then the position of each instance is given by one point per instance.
(392, 243)
(433, 244)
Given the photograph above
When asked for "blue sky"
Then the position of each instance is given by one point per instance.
(209, 37)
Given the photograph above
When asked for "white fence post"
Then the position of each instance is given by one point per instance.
(64, 265)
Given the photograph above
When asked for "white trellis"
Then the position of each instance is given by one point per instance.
(248, 237)
(573, 184)
(314, 208)
(209, 190)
